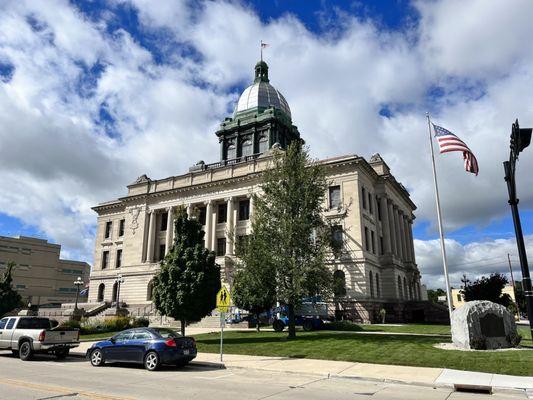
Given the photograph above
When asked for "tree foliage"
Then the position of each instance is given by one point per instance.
(186, 285)
(487, 288)
(433, 295)
(254, 283)
(290, 231)
(9, 298)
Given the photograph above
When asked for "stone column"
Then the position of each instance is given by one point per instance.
(214, 227)
(411, 239)
(170, 231)
(189, 210)
(151, 232)
(402, 235)
(407, 239)
(392, 231)
(397, 237)
(230, 227)
(385, 226)
(251, 205)
(208, 224)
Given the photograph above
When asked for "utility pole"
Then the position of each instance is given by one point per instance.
(520, 139)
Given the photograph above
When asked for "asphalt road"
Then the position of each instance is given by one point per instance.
(74, 378)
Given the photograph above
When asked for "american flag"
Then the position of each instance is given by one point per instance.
(264, 45)
(450, 142)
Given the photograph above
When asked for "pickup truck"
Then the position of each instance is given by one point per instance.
(25, 336)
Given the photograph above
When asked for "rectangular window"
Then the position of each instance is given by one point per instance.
(121, 226)
(162, 249)
(222, 214)
(164, 220)
(221, 246)
(202, 212)
(108, 228)
(244, 210)
(459, 297)
(367, 241)
(105, 259)
(370, 203)
(378, 207)
(363, 196)
(334, 197)
(373, 242)
(336, 235)
(21, 286)
(381, 248)
(118, 263)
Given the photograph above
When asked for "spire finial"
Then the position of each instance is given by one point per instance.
(263, 46)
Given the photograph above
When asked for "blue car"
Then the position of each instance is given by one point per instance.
(152, 347)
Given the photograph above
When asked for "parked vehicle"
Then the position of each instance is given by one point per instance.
(309, 314)
(25, 336)
(152, 347)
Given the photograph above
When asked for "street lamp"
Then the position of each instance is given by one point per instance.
(78, 282)
(119, 280)
(520, 139)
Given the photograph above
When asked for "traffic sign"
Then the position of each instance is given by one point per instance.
(223, 300)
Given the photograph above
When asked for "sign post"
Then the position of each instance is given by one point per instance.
(223, 304)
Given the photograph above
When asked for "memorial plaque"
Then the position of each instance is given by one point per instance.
(492, 326)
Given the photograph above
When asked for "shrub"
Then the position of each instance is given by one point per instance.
(70, 324)
(479, 343)
(514, 339)
(342, 326)
(140, 322)
(105, 325)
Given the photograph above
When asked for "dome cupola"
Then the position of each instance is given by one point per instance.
(261, 94)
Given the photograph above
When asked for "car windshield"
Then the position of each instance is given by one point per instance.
(167, 333)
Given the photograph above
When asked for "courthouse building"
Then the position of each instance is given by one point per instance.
(40, 276)
(372, 211)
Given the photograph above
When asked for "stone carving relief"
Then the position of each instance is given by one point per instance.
(135, 212)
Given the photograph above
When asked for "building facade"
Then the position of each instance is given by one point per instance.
(372, 211)
(40, 276)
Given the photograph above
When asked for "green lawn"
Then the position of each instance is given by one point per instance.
(380, 349)
(97, 336)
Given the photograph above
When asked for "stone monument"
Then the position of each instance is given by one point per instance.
(483, 325)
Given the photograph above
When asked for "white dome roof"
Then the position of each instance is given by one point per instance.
(262, 94)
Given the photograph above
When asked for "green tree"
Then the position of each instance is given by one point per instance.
(289, 228)
(9, 298)
(433, 295)
(186, 285)
(487, 288)
(254, 287)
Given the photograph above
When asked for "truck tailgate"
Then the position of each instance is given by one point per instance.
(60, 336)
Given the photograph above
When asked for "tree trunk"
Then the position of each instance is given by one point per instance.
(182, 327)
(257, 329)
(292, 322)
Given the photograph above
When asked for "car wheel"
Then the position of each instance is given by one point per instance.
(97, 358)
(308, 325)
(151, 361)
(61, 354)
(25, 351)
(278, 325)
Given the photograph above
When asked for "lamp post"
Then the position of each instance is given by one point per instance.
(520, 139)
(78, 282)
(119, 280)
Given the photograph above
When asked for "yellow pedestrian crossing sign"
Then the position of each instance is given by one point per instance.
(223, 300)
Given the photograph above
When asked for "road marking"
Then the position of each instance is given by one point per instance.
(59, 389)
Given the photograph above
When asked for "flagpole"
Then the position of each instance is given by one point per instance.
(261, 46)
(439, 218)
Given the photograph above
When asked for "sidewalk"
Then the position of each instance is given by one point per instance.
(354, 370)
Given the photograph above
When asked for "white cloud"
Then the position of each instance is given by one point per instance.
(59, 162)
(474, 259)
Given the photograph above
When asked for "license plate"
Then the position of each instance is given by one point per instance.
(186, 352)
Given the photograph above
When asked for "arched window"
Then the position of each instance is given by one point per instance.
(114, 295)
(400, 292)
(231, 152)
(378, 289)
(263, 143)
(405, 288)
(411, 292)
(371, 286)
(150, 291)
(247, 148)
(101, 291)
(339, 283)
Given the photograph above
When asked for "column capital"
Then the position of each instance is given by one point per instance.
(209, 202)
(228, 199)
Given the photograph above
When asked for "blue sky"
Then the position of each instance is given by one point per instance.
(98, 92)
